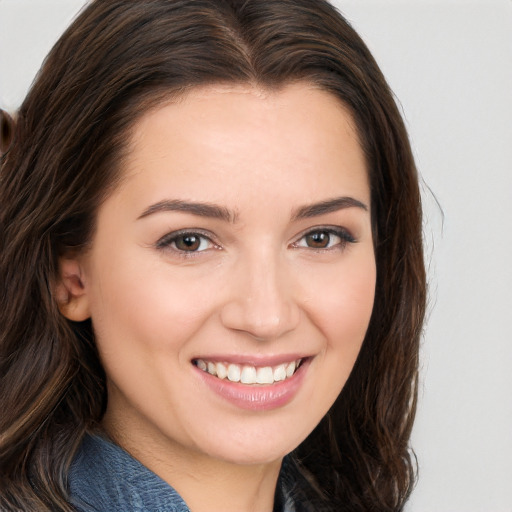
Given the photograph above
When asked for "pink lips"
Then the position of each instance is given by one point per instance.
(256, 397)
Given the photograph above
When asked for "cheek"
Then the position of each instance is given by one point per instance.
(342, 314)
(143, 321)
(345, 303)
(144, 313)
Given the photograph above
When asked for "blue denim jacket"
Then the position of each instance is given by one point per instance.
(105, 478)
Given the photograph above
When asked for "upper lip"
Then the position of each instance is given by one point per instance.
(252, 360)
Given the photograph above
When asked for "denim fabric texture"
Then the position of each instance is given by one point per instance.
(105, 478)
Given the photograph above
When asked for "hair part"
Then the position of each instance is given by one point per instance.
(118, 60)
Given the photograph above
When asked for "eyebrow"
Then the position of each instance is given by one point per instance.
(200, 209)
(220, 212)
(328, 206)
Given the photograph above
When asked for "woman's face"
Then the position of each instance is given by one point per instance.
(231, 276)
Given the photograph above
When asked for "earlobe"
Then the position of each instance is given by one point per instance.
(70, 292)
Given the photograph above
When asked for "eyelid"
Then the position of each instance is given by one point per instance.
(165, 242)
(343, 233)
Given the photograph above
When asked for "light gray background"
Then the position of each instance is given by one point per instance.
(450, 64)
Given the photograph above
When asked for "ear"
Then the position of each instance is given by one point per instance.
(70, 291)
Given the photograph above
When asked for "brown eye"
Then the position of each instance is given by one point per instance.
(318, 239)
(187, 242)
(325, 239)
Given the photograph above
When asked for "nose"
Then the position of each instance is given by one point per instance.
(261, 300)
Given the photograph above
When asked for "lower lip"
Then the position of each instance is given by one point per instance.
(256, 397)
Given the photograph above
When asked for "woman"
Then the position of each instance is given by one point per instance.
(213, 282)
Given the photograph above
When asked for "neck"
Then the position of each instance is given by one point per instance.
(220, 486)
(207, 484)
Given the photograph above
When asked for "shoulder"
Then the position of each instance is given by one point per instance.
(105, 478)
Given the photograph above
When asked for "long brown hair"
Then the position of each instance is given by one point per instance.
(117, 60)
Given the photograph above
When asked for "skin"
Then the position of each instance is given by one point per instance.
(256, 288)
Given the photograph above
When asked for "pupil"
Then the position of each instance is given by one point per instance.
(188, 243)
(318, 240)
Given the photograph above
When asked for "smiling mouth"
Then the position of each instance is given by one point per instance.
(248, 374)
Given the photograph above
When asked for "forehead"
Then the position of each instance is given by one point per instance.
(245, 105)
(298, 137)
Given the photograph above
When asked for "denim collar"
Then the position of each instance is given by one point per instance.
(105, 478)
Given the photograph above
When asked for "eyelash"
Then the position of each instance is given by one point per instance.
(169, 240)
(344, 236)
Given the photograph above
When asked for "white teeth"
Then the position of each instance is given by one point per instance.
(280, 373)
(212, 368)
(290, 369)
(234, 373)
(222, 371)
(201, 365)
(264, 375)
(248, 374)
